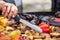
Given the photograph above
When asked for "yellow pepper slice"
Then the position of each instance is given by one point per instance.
(15, 33)
(3, 21)
(2, 28)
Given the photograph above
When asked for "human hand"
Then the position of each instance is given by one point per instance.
(9, 10)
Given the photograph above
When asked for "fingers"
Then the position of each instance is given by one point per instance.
(10, 15)
(4, 10)
(15, 13)
(9, 10)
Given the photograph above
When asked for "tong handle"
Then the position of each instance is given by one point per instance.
(17, 18)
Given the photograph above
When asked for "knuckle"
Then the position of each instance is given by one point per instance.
(12, 4)
(16, 10)
(12, 11)
(7, 11)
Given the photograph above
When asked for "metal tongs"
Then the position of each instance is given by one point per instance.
(28, 24)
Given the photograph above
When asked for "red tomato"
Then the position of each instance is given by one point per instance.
(46, 30)
(44, 25)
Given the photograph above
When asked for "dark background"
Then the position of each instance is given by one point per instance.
(55, 8)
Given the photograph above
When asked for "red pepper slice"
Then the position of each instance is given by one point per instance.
(4, 37)
(57, 20)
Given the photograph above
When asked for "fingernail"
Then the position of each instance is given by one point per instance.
(13, 16)
(2, 13)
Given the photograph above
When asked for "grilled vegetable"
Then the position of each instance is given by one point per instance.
(2, 28)
(21, 38)
(55, 34)
(3, 21)
(45, 27)
(4, 37)
(15, 33)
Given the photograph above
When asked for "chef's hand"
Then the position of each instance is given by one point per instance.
(9, 10)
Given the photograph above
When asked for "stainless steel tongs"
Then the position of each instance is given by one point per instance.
(28, 24)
